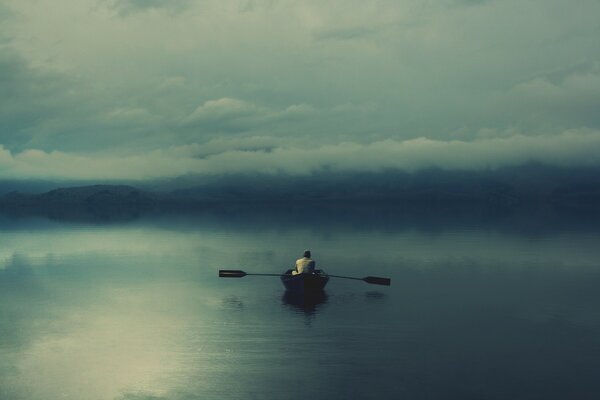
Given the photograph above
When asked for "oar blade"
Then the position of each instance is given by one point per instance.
(378, 281)
(231, 273)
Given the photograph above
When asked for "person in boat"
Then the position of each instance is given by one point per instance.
(304, 265)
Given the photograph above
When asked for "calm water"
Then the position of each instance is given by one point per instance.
(481, 307)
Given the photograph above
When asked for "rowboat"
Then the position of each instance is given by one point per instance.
(305, 283)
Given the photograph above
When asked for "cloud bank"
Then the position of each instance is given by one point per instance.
(261, 155)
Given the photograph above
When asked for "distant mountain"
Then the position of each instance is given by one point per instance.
(506, 187)
(95, 195)
(95, 202)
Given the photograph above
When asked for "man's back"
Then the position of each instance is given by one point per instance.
(305, 265)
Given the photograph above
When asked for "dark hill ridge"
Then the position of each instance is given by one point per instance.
(97, 203)
(508, 186)
(534, 183)
(95, 195)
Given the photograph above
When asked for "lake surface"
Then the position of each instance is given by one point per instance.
(482, 306)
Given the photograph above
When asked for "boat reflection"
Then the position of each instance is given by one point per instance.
(307, 302)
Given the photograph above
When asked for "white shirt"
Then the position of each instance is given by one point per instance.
(304, 265)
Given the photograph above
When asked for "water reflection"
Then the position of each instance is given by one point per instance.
(306, 303)
(136, 310)
(233, 303)
(375, 297)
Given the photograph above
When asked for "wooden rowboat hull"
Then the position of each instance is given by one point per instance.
(304, 283)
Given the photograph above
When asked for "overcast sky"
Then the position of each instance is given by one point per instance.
(142, 89)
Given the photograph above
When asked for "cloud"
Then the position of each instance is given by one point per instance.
(222, 145)
(140, 396)
(225, 109)
(471, 2)
(45, 108)
(261, 155)
(344, 33)
(29, 97)
(572, 100)
(129, 114)
(170, 73)
(5, 12)
(229, 114)
(573, 90)
(128, 7)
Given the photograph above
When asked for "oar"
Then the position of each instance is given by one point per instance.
(236, 273)
(369, 279)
